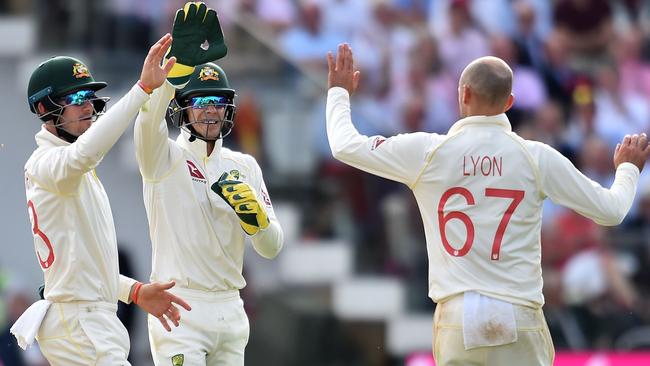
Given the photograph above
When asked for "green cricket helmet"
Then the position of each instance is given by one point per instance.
(57, 77)
(208, 86)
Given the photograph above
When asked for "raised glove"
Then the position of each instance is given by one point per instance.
(193, 25)
(241, 197)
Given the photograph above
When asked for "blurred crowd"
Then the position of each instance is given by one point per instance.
(582, 82)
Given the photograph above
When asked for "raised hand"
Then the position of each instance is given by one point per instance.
(157, 301)
(633, 149)
(153, 75)
(341, 71)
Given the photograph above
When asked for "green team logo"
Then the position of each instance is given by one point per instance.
(178, 359)
(235, 173)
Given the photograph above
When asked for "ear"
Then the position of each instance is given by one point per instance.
(41, 108)
(509, 103)
(466, 95)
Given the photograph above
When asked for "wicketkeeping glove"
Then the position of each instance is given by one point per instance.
(193, 25)
(241, 197)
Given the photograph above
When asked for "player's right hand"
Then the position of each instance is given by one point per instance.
(157, 301)
(193, 25)
(341, 71)
(153, 75)
(633, 149)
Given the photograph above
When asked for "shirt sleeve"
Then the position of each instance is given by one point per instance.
(63, 167)
(567, 186)
(124, 289)
(268, 242)
(152, 145)
(400, 158)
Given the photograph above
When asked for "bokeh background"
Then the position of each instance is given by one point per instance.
(350, 286)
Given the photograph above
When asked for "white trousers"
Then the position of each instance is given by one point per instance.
(83, 333)
(214, 333)
(533, 347)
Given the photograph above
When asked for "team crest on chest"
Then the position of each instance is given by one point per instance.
(178, 360)
(195, 173)
(80, 71)
(208, 73)
(235, 174)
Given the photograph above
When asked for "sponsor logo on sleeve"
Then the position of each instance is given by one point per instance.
(378, 141)
(266, 198)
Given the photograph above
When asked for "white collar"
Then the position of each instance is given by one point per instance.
(198, 147)
(47, 138)
(500, 120)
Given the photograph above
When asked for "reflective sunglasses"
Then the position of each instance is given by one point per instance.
(79, 97)
(206, 101)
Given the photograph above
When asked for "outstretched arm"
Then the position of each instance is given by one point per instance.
(567, 186)
(400, 158)
(63, 168)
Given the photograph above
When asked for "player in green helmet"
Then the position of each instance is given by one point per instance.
(72, 224)
(203, 202)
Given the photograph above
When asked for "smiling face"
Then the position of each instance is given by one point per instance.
(206, 115)
(206, 122)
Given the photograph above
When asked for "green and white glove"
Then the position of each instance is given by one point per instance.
(193, 26)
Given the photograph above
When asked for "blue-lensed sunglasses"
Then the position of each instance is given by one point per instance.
(206, 101)
(79, 97)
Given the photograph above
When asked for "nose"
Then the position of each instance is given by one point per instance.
(88, 106)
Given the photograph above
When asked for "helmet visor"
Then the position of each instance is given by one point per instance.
(203, 102)
(79, 97)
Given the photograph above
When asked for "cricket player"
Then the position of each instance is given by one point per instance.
(203, 202)
(480, 189)
(72, 224)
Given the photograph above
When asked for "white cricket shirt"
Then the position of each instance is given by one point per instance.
(480, 190)
(196, 236)
(72, 223)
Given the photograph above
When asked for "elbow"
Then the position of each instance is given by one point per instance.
(339, 152)
(270, 252)
(614, 218)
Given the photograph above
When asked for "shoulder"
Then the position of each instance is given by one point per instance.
(245, 160)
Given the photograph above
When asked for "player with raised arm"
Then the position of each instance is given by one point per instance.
(480, 190)
(72, 223)
(203, 202)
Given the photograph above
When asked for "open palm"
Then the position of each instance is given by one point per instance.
(153, 74)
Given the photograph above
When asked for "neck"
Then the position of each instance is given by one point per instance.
(482, 111)
(209, 146)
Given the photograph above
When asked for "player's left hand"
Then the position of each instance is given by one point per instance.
(341, 71)
(241, 197)
(157, 301)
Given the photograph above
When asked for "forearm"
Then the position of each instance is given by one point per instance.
(151, 134)
(105, 132)
(269, 242)
(125, 288)
(343, 137)
(604, 206)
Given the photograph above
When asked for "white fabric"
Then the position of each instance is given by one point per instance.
(196, 236)
(214, 333)
(433, 165)
(28, 324)
(487, 321)
(72, 223)
(82, 333)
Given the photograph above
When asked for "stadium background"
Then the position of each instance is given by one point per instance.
(350, 286)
